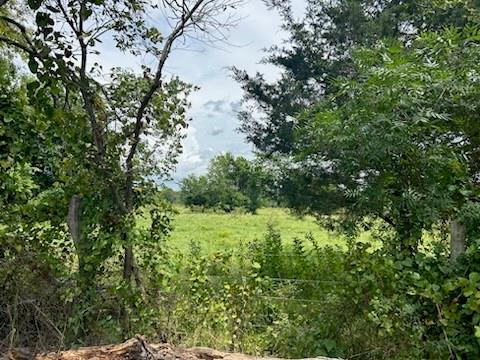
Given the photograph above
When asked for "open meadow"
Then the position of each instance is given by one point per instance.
(215, 231)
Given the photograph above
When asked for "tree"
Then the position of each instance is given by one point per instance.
(123, 114)
(400, 142)
(113, 131)
(246, 176)
(318, 50)
(194, 191)
(231, 182)
(316, 62)
(35, 154)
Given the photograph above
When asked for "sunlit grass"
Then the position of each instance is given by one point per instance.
(218, 231)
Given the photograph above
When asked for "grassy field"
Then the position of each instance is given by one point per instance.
(216, 231)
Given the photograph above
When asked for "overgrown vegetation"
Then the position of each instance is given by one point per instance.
(295, 299)
(373, 125)
(306, 300)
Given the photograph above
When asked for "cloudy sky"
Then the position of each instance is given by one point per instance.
(213, 126)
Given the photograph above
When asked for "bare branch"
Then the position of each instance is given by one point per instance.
(157, 82)
(67, 18)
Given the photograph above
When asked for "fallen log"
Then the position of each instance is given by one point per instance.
(138, 349)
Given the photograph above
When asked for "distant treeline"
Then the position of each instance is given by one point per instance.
(231, 182)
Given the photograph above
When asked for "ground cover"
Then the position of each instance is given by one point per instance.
(215, 231)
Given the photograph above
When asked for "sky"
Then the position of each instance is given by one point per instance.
(213, 125)
(213, 128)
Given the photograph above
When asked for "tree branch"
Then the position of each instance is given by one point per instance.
(84, 80)
(156, 84)
(19, 26)
(69, 21)
(85, 83)
(18, 45)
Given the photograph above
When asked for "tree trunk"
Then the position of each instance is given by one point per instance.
(128, 263)
(73, 219)
(74, 227)
(457, 240)
(129, 259)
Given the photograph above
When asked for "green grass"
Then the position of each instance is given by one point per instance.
(217, 231)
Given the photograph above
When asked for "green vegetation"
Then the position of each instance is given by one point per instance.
(372, 130)
(218, 231)
(230, 183)
(303, 300)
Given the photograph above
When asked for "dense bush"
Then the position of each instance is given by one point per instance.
(305, 300)
(294, 299)
(44, 303)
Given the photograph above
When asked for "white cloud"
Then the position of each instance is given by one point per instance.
(190, 158)
(214, 106)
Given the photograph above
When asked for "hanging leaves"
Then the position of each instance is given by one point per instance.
(35, 4)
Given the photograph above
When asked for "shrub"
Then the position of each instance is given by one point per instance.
(304, 300)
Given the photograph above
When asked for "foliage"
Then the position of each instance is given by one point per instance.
(302, 299)
(400, 143)
(318, 51)
(80, 149)
(374, 116)
(231, 182)
(374, 123)
(383, 129)
(131, 123)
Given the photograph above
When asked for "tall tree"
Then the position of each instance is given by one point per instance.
(401, 142)
(129, 114)
(318, 50)
(316, 61)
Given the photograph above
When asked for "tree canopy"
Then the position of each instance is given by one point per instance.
(318, 50)
(231, 182)
(380, 122)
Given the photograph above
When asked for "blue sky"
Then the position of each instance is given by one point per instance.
(213, 126)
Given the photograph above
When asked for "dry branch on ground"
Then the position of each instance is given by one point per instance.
(136, 349)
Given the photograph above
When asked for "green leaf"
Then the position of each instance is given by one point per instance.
(477, 332)
(86, 12)
(34, 4)
(43, 19)
(256, 265)
(32, 64)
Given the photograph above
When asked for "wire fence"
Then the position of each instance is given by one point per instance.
(271, 291)
(281, 306)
